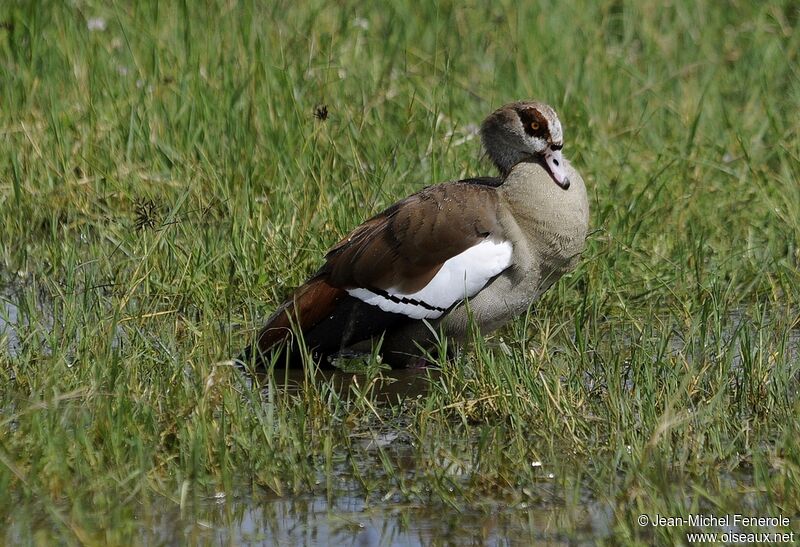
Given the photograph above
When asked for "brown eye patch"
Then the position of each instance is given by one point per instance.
(534, 123)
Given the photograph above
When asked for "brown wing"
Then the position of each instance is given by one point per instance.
(401, 248)
(406, 245)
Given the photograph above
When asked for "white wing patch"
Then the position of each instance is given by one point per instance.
(460, 277)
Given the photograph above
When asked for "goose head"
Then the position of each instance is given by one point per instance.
(525, 131)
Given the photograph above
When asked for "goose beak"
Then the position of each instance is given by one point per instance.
(555, 166)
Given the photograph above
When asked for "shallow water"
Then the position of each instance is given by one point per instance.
(248, 515)
(349, 520)
(9, 316)
(351, 517)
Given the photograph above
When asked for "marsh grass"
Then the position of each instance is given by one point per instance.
(165, 181)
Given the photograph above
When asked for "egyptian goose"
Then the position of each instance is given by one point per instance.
(498, 243)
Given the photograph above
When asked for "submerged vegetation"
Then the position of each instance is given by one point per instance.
(169, 171)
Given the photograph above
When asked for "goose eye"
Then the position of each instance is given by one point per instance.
(535, 126)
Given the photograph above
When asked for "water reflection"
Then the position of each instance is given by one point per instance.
(349, 520)
(388, 386)
(9, 316)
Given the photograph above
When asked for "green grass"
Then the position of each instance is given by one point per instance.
(164, 183)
